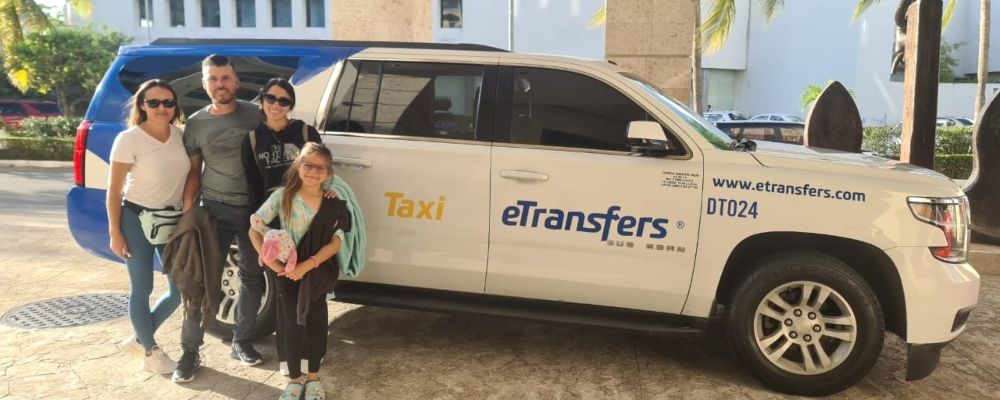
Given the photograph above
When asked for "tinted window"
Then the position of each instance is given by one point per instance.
(558, 108)
(11, 109)
(48, 108)
(411, 99)
(210, 13)
(246, 13)
(184, 75)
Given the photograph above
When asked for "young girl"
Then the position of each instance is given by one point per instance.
(314, 223)
(148, 170)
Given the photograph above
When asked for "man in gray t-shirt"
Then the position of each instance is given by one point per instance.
(213, 137)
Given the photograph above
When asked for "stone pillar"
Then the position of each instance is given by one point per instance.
(653, 38)
(384, 20)
(920, 82)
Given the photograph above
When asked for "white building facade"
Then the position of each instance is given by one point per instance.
(147, 20)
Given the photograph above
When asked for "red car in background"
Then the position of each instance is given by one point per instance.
(14, 111)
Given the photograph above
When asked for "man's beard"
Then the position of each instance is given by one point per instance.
(223, 97)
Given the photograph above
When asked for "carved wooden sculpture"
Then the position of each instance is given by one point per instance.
(834, 121)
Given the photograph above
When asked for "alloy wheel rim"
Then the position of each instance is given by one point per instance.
(805, 328)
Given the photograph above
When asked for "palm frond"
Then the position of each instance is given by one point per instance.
(770, 7)
(10, 25)
(949, 11)
(715, 27)
(31, 15)
(82, 7)
(863, 5)
(599, 18)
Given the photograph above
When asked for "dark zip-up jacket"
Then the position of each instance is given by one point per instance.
(266, 161)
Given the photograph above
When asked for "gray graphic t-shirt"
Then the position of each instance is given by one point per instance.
(217, 139)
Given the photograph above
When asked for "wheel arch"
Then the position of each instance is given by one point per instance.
(870, 262)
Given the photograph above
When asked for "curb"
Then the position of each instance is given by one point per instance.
(36, 164)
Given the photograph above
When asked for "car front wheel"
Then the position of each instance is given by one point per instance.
(806, 323)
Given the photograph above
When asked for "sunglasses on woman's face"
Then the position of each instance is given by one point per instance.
(155, 103)
(282, 101)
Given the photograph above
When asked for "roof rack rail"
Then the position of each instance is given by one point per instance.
(350, 43)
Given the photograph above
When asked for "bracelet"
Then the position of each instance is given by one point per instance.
(314, 260)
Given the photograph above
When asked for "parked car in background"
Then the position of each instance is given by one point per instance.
(954, 121)
(778, 118)
(716, 116)
(773, 131)
(14, 111)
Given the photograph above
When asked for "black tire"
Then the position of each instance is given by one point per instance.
(754, 326)
(266, 315)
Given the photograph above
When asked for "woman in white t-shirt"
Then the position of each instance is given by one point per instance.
(148, 169)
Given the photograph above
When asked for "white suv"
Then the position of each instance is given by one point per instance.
(571, 190)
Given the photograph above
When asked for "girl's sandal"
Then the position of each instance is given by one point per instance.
(315, 391)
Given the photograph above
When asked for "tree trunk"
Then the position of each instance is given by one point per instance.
(697, 91)
(63, 101)
(984, 54)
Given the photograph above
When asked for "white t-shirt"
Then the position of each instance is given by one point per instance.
(159, 170)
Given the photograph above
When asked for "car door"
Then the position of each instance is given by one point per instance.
(575, 216)
(413, 141)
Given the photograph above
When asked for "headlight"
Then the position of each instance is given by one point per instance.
(951, 215)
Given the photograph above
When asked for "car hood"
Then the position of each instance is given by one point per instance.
(780, 155)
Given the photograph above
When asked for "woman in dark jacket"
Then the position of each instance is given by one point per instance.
(276, 142)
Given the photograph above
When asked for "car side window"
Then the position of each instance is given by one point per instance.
(408, 99)
(776, 118)
(565, 109)
(11, 109)
(184, 75)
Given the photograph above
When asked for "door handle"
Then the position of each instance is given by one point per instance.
(352, 162)
(524, 175)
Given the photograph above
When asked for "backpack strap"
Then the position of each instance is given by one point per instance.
(305, 133)
(253, 142)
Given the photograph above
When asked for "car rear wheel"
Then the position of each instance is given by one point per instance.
(230, 286)
(806, 323)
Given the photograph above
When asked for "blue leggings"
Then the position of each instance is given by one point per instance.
(140, 274)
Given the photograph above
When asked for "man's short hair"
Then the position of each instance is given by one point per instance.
(217, 60)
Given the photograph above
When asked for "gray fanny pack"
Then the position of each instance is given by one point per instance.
(157, 225)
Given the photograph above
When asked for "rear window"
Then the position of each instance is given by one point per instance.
(184, 75)
(48, 108)
(11, 109)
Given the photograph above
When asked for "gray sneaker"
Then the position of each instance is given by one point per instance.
(158, 362)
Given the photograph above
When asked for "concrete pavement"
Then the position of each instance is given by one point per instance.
(378, 353)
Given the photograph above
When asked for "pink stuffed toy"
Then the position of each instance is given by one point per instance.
(278, 245)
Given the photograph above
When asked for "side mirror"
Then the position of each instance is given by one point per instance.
(648, 138)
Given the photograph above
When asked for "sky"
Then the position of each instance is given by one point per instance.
(54, 5)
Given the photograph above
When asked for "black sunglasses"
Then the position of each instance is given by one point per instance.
(282, 101)
(155, 103)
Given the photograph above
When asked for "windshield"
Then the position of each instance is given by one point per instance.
(705, 128)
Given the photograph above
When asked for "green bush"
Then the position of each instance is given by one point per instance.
(36, 148)
(883, 140)
(953, 140)
(62, 127)
(955, 166)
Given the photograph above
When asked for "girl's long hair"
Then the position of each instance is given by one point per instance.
(137, 115)
(293, 183)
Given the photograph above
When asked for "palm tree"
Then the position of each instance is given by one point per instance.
(16, 15)
(715, 28)
(984, 52)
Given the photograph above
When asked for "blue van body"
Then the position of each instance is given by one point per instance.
(85, 206)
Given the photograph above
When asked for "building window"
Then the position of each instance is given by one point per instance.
(451, 13)
(246, 13)
(145, 14)
(210, 14)
(177, 13)
(281, 13)
(315, 15)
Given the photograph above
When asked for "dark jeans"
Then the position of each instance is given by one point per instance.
(296, 341)
(231, 222)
